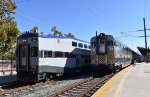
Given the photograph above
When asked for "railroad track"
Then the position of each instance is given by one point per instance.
(80, 88)
(15, 87)
(83, 88)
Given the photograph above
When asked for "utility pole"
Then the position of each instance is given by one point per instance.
(145, 39)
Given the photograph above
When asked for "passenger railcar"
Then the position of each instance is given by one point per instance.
(108, 53)
(41, 57)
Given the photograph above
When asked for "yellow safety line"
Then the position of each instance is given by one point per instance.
(103, 91)
(120, 86)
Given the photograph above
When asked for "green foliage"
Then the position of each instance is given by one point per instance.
(8, 27)
(7, 7)
(54, 30)
(35, 29)
(57, 32)
(50, 34)
(60, 34)
(70, 35)
(8, 34)
(9, 55)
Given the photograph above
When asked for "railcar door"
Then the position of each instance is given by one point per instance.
(24, 57)
(77, 60)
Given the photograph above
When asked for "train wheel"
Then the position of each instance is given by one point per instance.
(47, 77)
(120, 67)
(115, 69)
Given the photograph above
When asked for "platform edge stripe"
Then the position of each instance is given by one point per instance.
(120, 86)
(103, 91)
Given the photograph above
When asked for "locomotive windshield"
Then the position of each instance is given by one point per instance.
(102, 46)
(34, 51)
(109, 43)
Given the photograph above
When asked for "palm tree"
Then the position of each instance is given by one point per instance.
(60, 33)
(35, 29)
(54, 30)
(65, 35)
(50, 34)
(70, 35)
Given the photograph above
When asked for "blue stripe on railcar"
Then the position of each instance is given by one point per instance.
(29, 35)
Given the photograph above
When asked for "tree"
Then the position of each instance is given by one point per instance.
(8, 27)
(7, 8)
(35, 29)
(65, 35)
(54, 30)
(70, 35)
(60, 33)
(50, 34)
(57, 32)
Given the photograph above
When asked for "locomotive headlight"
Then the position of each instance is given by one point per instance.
(111, 49)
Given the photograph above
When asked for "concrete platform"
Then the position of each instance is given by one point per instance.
(133, 81)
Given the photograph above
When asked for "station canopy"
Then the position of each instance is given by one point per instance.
(143, 50)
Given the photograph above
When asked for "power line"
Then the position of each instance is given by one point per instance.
(104, 14)
(128, 35)
(95, 14)
(22, 1)
(32, 19)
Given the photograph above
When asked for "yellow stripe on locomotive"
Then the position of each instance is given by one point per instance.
(102, 58)
(111, 57)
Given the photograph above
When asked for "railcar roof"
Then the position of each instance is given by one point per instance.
(29, 35)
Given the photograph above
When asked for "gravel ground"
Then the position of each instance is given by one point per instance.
(43, 91)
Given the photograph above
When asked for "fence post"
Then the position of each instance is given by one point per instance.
(11, 63)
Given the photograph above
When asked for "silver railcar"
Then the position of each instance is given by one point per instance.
(41, 57)
(108, 53)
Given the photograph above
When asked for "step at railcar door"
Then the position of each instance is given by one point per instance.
(24, 57)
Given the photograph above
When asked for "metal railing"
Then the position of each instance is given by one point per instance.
(7, 66)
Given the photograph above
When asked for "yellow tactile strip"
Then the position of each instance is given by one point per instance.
(103, 91)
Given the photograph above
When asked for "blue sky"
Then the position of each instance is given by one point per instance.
(84, 17)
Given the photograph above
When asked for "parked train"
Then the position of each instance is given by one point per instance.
(41, 57)
(109, 54)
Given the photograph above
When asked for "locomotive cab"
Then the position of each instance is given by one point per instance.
(27, 58)
(104, 54)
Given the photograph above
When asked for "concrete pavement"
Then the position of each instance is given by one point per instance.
(133, 81)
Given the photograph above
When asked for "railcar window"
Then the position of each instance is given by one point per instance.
(80, 45)
(41, 53)
(93, 44)
(89, 46)
(47, 53)
(34, 51)
(23, 51)
(66, 54)
(110, 43)
(85, 46)
(102, 41)
(58, 54)
(74, 44)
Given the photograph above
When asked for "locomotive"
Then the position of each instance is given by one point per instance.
(110, 54)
